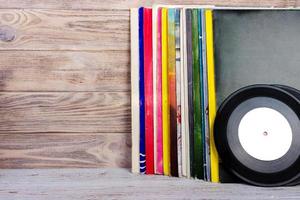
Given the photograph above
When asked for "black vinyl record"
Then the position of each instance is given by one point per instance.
(257, 134)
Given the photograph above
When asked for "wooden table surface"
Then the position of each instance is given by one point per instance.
(83, 184)
(65, 80)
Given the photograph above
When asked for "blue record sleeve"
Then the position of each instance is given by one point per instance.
(205, 99)
(142, 92)
(202, 96)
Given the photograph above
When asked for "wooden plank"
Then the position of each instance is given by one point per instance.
(41, 29)
(64, 30)
(64, 150)
(125, 4)
(64, 71)
(64, 112)
(78, 184)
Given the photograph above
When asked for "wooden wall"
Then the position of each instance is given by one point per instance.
(65, 80)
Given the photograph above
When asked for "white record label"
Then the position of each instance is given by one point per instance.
(265, 134)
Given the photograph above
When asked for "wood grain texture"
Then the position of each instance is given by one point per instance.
(125, 4)
(92, 184)
(65, 84)
(64, 112)
(64, 30)
(64, 150)
(64, 71)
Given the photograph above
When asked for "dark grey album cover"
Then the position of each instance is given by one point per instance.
(256, 46)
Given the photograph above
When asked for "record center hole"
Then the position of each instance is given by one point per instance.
(265, 133)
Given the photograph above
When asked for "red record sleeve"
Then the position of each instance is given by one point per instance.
(148, 68)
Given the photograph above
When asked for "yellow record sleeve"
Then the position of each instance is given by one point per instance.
(211, 94)
(165, 97)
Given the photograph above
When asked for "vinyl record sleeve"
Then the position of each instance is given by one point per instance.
(148, 70)
(201, 82)
(155, 99)
(178, 88)
(184, 99)
(158, 89)
(142, 92)
(172, 90)
(189, 63)
(256, 47)
(205, 100)
(212, 106)
(198, 148)
(135, 109)
(165, 94)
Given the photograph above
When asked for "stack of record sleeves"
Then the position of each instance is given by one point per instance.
(173, 90)
(177, 129)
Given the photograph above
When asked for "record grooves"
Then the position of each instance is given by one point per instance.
(257, 134)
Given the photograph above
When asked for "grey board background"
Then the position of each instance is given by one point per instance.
(256, 46)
